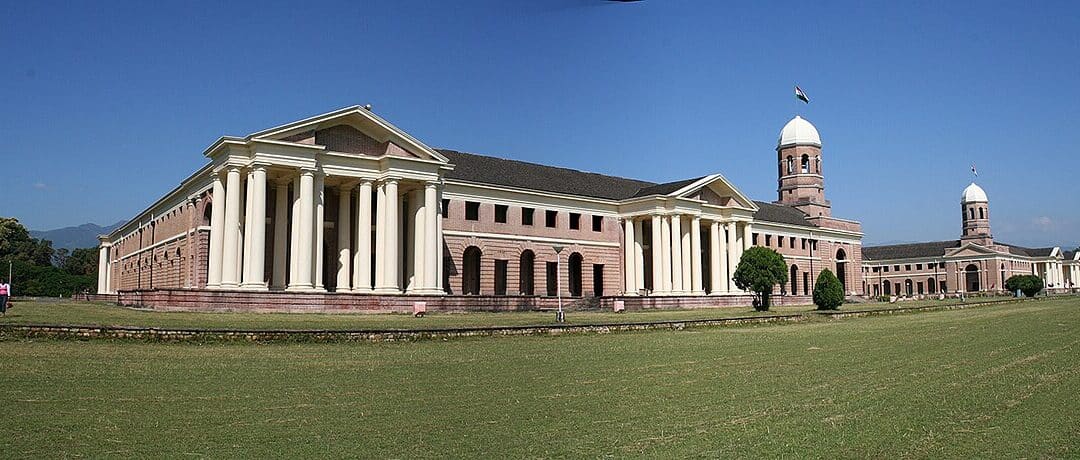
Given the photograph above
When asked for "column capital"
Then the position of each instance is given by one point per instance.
(305, 171)
(259, 165)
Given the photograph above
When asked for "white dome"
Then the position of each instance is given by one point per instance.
(974, 194)
(799, 132)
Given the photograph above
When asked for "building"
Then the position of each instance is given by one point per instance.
(346, 212)
(974, 263)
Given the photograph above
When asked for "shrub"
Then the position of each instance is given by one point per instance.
(828, 292)
(758, 271)
(1028, 284)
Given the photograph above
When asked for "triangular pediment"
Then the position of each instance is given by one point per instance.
(969, 250)
(716, 190)
(352, 130)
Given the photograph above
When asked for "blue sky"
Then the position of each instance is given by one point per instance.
(106, 107)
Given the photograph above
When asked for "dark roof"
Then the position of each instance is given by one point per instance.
(780, 214)
(1029, 252)
(665, 189)
(909, 250)
(512, 173)
(1068, 255)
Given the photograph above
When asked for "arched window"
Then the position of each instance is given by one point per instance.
(575, 274)
(805, 164)
(981, 215)
(841, 268)
(971, 211)
(790, 165)
(1002, 277)
(817, 164)
(794, 278)
(470, 271)
(527, 265)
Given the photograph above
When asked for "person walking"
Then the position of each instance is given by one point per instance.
(5, 292)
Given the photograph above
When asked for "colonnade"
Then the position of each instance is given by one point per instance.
(677, 258)
(368, 260)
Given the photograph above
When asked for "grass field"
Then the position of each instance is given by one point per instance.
(998, 381)
(101, 314)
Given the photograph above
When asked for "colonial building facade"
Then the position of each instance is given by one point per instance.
(346, 212)
(972, 264)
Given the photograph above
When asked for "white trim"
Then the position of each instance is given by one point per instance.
(538, 239)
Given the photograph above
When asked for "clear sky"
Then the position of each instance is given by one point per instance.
(105, 107)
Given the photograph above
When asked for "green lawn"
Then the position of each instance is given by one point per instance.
(997, 381)
(101, 314)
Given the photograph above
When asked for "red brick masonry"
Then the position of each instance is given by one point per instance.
(318, 302)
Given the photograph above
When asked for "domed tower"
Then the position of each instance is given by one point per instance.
(802, 185)
(976, 210)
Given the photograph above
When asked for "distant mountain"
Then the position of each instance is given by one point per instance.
(82, 236)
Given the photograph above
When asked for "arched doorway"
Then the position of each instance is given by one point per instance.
(908, 290)
(886, 288)
(794, 280)
(527, 265)
(841, 272)
(575, 274)
(971, 278)
(931, 285)
(1002, 285)
(470, 271)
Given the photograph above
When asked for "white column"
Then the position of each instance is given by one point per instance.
(431, 238)
(391, 276)
(439, 242)
(362, 259)
(629, 259)
(418, 217)
(716, 251)
(294, 236)
(320, 201)
(695, 256)
(230, 272)
(249, 202)
(730, 229)
(748, 236)
(687, 266)
(103, 266)
(281, 230)
(380, 237)
(676, 255)
(344, 238)
(639, 256)
(217, 233)
(256, 231)
(306, 240)
(665, 257)
(657, 255)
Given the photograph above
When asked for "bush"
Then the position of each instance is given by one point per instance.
(828, 292)
(1028, 284)
(758, 271)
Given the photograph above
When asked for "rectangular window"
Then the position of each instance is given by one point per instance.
(552, 279)
(598, 223)
(803, 243)
(918, 267)
(550, 218)
(527, 216)
(886, 268)
(753, 239)
(575, 221)
(896, 268)
(500, 277)
(472, 210)
(793, 242)
(445, 208)
(598, 279)
(920, 287)
(907, 267)
(931, 265)
(500, 213)
(768, 240)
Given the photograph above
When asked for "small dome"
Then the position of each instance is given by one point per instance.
(974, 194)
(799, 132)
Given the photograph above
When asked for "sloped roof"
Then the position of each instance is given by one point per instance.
(908, 250)
(666, 188)
(1029, 252)
(519, 174)
(780, 214)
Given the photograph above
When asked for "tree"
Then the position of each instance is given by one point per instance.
(82, 261)
(17, 245)
(1028, 284)
(759, 270)
(828, 292)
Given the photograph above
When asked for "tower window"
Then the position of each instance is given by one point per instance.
(817, 164)
(790, 164)
(981, 215)
(805, 164)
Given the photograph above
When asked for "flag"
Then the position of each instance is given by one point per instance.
(801, 95)
(973, 171)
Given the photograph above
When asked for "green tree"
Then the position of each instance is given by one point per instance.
(1028, 284)
(759, 270)
(828, 292)
(82, 261)
(17, 245)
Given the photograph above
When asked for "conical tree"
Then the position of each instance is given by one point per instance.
(828, 292)
(758, 271)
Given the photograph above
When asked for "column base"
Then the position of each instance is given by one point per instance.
(428, 291)
(387, 290)
(300, 288)
(228, 286)
(254, 286)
